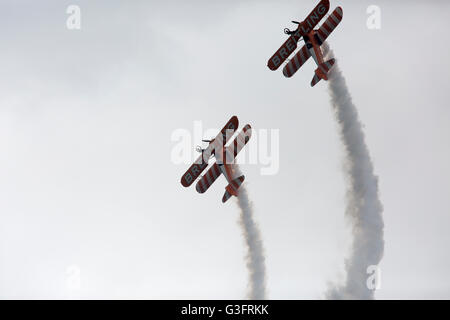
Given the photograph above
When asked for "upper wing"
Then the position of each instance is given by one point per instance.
(233, 149)
(305, 27)
(241, 140)
(285, 51)
(200, 164)
(314, 17)
(208, 179)
(330, 24)
(296, 62)
(194, 171)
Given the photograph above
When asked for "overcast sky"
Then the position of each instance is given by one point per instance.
(89, 190)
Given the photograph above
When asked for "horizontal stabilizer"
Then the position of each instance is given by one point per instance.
(322, 71)
(236, 183)
(315, 79)
(326, 66)
(232, 188)
(226, 196)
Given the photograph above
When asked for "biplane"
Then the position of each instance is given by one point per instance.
(224, 163)
(313, 40)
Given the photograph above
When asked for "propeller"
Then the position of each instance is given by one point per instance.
(207, 141)
(296, 22)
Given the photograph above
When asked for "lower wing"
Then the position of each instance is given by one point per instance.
(208, 179)
(296, 62)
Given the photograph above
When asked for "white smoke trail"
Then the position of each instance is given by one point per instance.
(255, 259)
(364, 209)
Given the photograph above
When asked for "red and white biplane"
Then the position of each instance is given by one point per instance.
(313, 40)
(224, 155)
